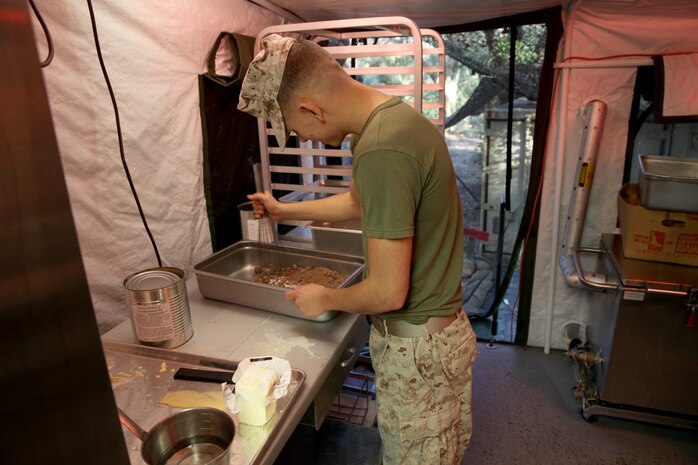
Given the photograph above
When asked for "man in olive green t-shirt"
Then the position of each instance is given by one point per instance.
(403, 189)
(404, 177)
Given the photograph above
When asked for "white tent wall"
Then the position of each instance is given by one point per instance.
(426, 13)
(595, 29)
(153, 52)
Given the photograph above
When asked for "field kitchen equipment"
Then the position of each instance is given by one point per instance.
(197, 436)
(142, 377)
(365, 48)
(265, 231)
(637, 358)
(249, 225)
(640, 362)
(340, 237)
(669, 183)
(229, 275)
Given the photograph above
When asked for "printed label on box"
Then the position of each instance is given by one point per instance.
(657, 239)
(687, 244)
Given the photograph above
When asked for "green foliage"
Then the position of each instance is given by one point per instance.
(470, 56)
(486, 54)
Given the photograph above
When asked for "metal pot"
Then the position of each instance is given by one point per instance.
(195, 436)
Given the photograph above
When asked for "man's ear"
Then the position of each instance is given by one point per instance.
(313, 110)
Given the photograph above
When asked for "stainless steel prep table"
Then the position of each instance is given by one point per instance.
(142, 376)
(324, 351)
(646, 348)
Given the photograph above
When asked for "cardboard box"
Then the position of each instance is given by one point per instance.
(656, 235)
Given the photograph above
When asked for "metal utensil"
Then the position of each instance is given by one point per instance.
(213, 376)
(201, 436)
(266, 231)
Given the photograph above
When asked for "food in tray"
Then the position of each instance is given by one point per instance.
(295, 275)
(195, 399)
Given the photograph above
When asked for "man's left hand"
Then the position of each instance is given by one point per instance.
(308, 298)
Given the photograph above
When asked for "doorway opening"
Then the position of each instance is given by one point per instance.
(497, 76)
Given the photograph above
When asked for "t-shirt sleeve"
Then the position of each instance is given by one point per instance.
(388, 184)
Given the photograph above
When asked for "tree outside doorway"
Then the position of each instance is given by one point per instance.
(477, 86)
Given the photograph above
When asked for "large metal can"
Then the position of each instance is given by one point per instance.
(159, 307)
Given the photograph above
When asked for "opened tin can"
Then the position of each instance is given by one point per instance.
(249, 226)
(159, 307)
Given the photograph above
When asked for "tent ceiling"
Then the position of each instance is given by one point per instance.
(426, 13)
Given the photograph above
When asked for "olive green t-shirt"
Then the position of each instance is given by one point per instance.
(405, 180)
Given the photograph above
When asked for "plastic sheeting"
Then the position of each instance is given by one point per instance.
(594, 30)
(153, 52)
(426, 13)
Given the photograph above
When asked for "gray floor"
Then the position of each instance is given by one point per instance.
(523, 414)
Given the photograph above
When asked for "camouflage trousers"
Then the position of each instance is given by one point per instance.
(423, 394)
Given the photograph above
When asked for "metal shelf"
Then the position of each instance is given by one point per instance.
(353, 42)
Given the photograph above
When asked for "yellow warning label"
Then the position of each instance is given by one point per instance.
(586, 173)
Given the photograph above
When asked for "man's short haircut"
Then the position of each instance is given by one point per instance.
(302, 67)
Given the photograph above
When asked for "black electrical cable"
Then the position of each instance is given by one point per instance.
(49, 41)
(118, 131)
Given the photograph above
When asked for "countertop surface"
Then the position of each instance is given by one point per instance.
(231, 332)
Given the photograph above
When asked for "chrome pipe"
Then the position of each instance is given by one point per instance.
(570, 264)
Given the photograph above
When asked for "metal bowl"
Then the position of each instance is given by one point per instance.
(201, 436)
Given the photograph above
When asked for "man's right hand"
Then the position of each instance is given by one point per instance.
(265, 204)
(338, 207)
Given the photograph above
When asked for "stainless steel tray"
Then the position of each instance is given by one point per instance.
(228, 275)
(344, 237)
(669, 183)
(142, 375)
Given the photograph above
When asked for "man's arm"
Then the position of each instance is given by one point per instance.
(338, 207)
(385, 289)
